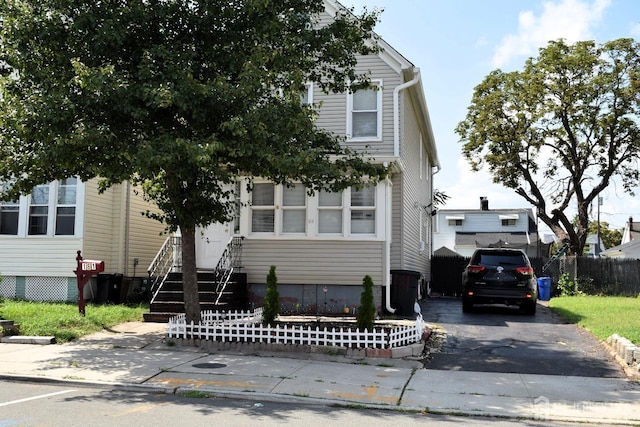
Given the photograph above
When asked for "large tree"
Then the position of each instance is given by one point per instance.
(559, 131)
(178, 97)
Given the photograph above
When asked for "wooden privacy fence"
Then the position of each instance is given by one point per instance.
(247, 327)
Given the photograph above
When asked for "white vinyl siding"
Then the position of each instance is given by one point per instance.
(333, 114)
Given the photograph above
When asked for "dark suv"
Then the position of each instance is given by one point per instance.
(499, 276)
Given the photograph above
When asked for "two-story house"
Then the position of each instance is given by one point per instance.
(40, 235)
(461, 231)
(324, 244)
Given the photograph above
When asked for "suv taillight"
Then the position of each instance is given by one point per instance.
(526, 271)
(475, 268)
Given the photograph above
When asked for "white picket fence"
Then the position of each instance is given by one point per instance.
(246, 326)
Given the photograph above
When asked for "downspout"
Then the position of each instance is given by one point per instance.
(396, 153)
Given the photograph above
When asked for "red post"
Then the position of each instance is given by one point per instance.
(82, 280)
(84, 270)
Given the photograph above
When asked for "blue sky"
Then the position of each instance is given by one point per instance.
(456, 43)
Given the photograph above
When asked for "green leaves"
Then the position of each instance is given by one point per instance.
(177, 96)
(559, 130)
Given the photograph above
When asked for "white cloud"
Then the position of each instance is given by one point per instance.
(635, 30)
(571, 20)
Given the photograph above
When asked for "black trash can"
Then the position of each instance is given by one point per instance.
(104, 286)
(115, 289)
(404, 291)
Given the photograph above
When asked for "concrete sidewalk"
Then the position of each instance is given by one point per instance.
(136, 355)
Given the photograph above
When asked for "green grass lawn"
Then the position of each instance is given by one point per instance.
(602, 316)
(63, 321)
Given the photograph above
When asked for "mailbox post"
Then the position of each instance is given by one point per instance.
(86, 268)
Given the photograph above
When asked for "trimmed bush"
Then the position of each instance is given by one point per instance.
(366, 315)
(271, 307)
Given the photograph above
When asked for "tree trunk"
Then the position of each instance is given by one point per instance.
(190, 275)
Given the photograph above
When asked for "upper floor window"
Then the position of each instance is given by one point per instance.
(508, 220)
(364, 119)
(455, 221)
(306, 98)
(66, 207)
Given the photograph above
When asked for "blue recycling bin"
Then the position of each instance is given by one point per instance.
(544, 288)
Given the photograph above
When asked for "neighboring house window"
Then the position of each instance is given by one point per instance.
(263, 208)
(66, 208)
(60, 198)
(363, 211)
(508, 220)
(294, 210)
(329, 212)
(39, 210)
(455, 221)
(365, 114)
(9, 215)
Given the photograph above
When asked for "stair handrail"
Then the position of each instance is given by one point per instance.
(167, 260)
(231, 259)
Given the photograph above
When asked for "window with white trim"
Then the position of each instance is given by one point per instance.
(306, 98)
(263, 208)
(330, 212)
(39, 210)
(363, 210)
(52, 208)
(364, 121)
(294, 209)
(66, 207)
(9, 215)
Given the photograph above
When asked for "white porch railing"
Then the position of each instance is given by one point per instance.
(248, 327)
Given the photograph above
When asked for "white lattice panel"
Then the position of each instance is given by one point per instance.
(46, 288)
(8, 287)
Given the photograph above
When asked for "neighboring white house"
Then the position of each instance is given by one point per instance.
(464, 230)
(324, 244)
(40, 235)
(631, 231)
(630, 244)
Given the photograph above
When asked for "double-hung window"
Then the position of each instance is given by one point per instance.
(294, 210)
(329, 212)
(9, 216)
(364, 121)
(66, 207)
(58, 198)
(263, 208)
(363, 210)
(39, 210)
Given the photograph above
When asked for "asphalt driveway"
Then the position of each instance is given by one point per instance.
(503, 339)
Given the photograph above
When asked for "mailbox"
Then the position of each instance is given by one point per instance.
(91, 266)
(85, 269)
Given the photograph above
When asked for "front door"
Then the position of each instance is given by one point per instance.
(211, 243)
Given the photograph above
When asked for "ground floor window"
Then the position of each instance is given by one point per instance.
(50, 210)
(291, 210)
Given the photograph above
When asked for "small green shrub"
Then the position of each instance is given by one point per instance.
(568, 287)
(271, 307)
(366, 315)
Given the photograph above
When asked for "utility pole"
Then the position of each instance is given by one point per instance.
(597, 251)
